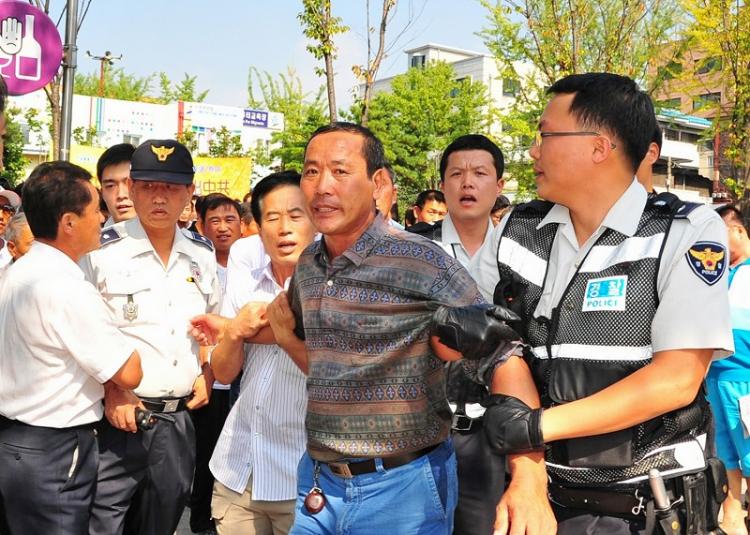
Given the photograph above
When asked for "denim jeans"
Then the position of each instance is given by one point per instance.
(416, 498)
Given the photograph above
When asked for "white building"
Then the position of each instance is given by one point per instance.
(120, 121)
(468, 65)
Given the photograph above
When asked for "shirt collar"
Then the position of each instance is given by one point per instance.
(450, 234)
(623, 217)
(142, 244)
(362, 247)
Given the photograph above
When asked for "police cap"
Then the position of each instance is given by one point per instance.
(162, 160)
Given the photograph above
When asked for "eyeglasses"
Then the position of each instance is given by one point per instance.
(7, 208)
(539, 136)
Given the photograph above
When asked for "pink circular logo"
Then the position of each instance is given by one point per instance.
(30, 47)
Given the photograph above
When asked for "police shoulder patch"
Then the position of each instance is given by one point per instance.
(198, 238)
(109, 235)
(708, 260)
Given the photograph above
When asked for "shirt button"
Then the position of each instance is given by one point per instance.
(257, 407)
(329, 283)
(174, 363)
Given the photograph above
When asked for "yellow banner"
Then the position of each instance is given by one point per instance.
(230, 176)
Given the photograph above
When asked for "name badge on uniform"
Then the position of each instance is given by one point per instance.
(607, 293)
(130, 309)
(195, 271)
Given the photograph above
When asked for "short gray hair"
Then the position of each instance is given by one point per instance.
(15, 227)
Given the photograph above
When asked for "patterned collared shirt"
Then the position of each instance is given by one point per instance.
(375, 388)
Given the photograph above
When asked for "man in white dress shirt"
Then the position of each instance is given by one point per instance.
(256, 457)
(58, 344)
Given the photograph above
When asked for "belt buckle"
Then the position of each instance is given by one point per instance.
(341, 470)
(461, 422)
(171, 405)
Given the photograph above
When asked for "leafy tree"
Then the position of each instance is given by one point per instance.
(85, 136)
(225, 144)
(183, 90)
(368, 73)
(117, 84)
(561, 38)
(424, 111)
(303, 113)
(189, 139)
(14, 161)
(722, 31)
(320, 26)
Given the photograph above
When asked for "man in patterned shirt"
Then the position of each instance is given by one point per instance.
(363, 299)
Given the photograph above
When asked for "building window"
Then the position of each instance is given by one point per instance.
(511, 87)
(706, 65)
(132, 139)
(418, 60)
(671, 134)
(689, 137)
(670, 103)
(705, 99)
(670, 70)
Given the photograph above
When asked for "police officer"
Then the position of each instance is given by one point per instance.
(58, 344)
(623, 303)
(154, 278)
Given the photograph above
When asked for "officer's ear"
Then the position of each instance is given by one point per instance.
(66, 224)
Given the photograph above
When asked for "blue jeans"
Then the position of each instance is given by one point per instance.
(416, 498)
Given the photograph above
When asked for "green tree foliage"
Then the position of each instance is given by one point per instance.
(85, 136)
(189, 139)
(561, 38)
(424, 111)
(303, 113)
(320, 26)
(13, 159)
(117, 84)
(721, 30)
(183, 90)
(225, 144)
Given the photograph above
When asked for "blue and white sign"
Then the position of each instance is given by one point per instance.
(255, 118)
(605, 294)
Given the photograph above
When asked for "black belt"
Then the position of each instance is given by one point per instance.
(357, 468)
(614, 503)
(166, 405)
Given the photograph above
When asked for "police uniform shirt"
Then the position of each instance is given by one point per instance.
(691, 312)
(153, 304)
(58, 343)
(451, 241)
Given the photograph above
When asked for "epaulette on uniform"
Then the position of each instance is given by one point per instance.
(679, 208)
(109, 235)
(198, 238)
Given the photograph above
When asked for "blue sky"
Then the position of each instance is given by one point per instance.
(219, 40)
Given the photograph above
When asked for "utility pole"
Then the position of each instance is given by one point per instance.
(69, 73)
(106, 59)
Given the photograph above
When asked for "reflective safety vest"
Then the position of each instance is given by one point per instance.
(598, 334)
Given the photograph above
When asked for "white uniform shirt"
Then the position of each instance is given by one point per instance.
(245, 256)
(153, 304)
(691, 313)
(58, 342)
(5, 257)
(451, 242)
(264, 434)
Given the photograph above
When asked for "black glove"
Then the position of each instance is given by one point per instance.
(475, 330)
(511, 426)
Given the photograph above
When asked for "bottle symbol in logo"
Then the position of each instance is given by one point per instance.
(29, 58)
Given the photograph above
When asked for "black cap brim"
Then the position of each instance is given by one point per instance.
(162, 176)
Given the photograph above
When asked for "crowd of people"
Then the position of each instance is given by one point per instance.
(301, 362)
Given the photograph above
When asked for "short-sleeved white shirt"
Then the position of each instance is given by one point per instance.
(692, 314)
(58, 342)
(153, 304)
(245, 256)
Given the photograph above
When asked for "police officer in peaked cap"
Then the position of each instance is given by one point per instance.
(153, 277)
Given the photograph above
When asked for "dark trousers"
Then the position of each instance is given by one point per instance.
(144, 478)
(481, 481)
(575, 522)
(47, 479)
(208, 421)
